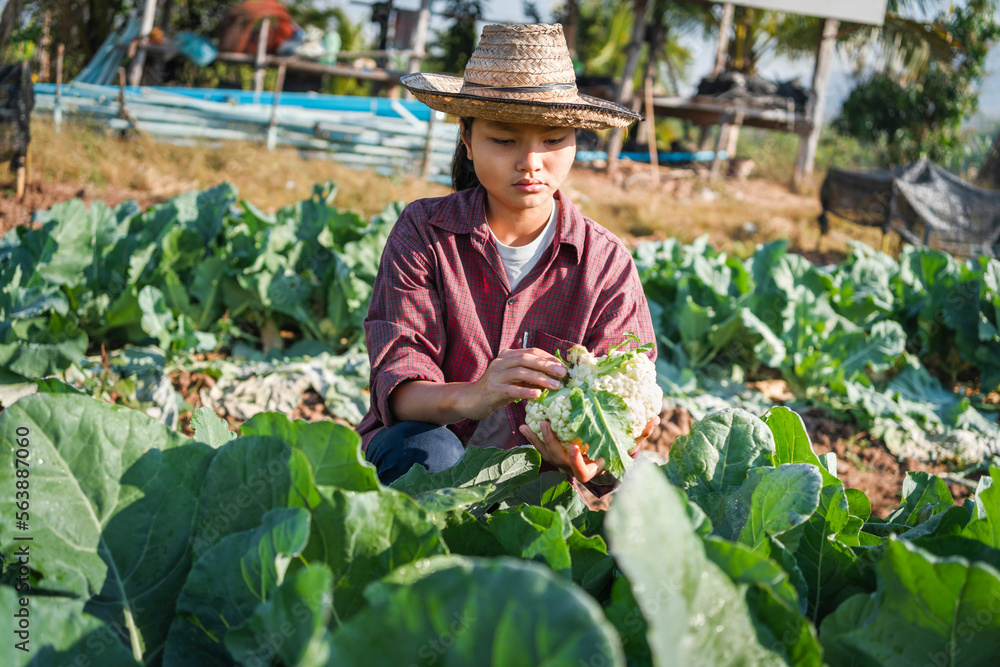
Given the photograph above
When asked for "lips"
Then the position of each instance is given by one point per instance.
(529, 185)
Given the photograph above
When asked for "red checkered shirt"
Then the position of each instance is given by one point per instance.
(441, 308)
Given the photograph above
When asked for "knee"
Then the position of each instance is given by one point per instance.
(443, 445)
(396, 450)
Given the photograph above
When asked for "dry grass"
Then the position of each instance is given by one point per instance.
(270, 179)
(735, 215)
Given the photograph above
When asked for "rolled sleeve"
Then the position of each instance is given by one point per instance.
(404, 329)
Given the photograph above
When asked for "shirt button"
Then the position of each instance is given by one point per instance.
(510, 302)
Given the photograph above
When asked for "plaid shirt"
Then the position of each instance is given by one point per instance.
(441, 308)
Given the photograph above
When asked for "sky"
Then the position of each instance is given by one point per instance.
(841, 80)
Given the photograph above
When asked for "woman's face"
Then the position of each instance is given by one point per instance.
(521, 166)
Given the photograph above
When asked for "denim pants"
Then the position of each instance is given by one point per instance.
(394, 450)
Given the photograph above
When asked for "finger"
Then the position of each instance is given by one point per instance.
(598, 462)
(516, 391)
(527, 376)
(582, 470)
(533, 358)
(648, 428)
(646, 432)
(553, 441)
(554, 455)
(560, 456)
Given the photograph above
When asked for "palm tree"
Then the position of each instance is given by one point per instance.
(603, 30)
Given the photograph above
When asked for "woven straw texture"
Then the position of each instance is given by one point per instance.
(516, 56)
(509, 57)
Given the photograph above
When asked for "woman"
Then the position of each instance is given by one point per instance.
(477, 290)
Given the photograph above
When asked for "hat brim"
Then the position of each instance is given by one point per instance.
(443, 93)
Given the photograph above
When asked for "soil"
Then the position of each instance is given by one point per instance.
(42, 195)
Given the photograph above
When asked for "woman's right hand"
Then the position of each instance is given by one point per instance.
(513, 375)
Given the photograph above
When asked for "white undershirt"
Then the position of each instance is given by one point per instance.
(519, 260)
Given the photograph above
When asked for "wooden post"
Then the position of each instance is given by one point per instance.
(272, 128)
(123, 111)
(731, 122)
(655, 36)
(19, 188)
(166, 15)
(44, 45)
(419, 42)
(728, 134)
(654, 157)
(570, 25)
(420, 37)
(732, 140)
(425, 170)
(135, 68)
(57, 109)
(626, 88)
(259, 70)
(722, 49)
(814, 109)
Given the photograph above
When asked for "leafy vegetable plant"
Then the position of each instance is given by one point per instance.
(278, 546)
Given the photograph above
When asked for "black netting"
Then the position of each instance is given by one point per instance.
(923, 203)
(16, 102)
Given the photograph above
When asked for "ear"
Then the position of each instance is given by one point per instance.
(466, 134)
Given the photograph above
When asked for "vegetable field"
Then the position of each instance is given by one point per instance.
(910, 349)
(277, 545)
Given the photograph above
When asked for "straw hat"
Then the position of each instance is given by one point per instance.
(520, 74)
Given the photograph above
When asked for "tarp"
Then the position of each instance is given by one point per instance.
(922, 202)
(753, 91)
(238, 30)
(102, 69)
(16, 102)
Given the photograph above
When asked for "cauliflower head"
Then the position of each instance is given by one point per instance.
(605, 402)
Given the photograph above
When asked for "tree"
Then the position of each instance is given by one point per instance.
(603, 31)
(199, 16)
(455, 44)
(911, 115)
(989, 171)
(9, 21)
(84, 25)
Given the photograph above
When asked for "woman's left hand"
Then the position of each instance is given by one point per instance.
(573, 460)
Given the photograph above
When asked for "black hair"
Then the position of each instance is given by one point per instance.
(463, 172)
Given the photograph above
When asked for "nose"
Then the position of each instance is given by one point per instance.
(531, 159)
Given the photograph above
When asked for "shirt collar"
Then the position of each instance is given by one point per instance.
(462, 213)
